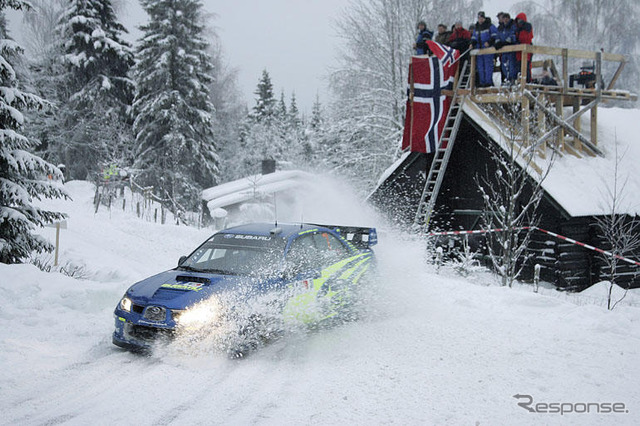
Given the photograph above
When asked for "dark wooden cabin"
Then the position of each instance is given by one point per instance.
(484, 119)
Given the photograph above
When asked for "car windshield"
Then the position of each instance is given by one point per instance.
(237, 255)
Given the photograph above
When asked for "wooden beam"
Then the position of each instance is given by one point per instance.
(616, 75)
(526, 113)
(577, 122)
(523, 68)
(599, 79)
(551, 51)
(565, 70)
(559, 112)
(594, 125)
(472, 75)
(565, 125)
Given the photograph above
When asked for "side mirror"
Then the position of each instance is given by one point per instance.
(181, 260)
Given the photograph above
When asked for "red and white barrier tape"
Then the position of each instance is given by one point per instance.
(553, 234)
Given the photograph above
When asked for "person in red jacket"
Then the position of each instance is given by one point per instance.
(524, 35)
(460, 39)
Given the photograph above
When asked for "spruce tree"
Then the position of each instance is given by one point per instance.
(23, 175)
(265, 106)
(175, 147)
(96, 91)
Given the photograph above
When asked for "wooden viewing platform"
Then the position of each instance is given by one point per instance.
(543, 122)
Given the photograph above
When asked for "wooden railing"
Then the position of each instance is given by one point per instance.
(527, 94)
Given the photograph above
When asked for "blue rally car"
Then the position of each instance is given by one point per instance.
(310, 273)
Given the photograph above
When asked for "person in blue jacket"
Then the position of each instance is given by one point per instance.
(424, 34)
(505, 36)
(484, 35)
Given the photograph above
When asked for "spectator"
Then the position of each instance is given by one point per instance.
(424, 34)
(460, 39)
(483, 36)
(524, 35)
(443, 35)
(505, 36)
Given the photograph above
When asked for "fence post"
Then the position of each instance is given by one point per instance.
(536, 277)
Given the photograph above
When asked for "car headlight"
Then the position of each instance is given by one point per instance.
(200, 314)
(125, 304)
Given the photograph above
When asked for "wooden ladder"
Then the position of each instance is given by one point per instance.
(443, 152)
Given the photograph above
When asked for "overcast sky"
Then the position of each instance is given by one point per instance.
(293, 39)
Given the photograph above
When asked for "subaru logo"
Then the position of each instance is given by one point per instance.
(155, 313)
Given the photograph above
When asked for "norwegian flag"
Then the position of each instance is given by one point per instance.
(427, 106)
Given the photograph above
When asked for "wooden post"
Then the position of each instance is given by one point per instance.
(577, 101)
(565, 70)
(524, 66)
(55, 261)
(559, 113)
(598, 75)
(594, 110)
(542, 126)
(594, 125)
(526, 116)
(472, 75)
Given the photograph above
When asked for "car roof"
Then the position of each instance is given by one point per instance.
(284, 230)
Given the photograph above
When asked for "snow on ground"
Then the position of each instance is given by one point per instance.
(433, 348)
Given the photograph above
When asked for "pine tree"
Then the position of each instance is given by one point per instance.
(175, 148)
(95, 93)
(23, 175)
(294, 112)
(265, 106)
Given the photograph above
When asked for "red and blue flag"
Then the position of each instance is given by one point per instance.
(427, 106)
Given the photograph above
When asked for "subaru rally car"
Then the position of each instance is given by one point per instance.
(313, 271)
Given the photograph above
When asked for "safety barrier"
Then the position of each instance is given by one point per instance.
(535, 228)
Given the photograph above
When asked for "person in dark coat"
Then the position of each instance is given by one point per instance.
(443, 34)
(424, 34)
(524, 35)
(484, 36)
(506, 36)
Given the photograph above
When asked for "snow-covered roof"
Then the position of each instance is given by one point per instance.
(584, 186)
(255, 186)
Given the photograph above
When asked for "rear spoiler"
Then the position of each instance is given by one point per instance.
(360, 237)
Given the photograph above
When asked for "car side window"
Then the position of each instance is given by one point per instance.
(330, 246)
(302, 254)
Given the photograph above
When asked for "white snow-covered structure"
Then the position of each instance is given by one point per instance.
(256, 197)
(558, 125)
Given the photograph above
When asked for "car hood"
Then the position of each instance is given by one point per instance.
(179, 289)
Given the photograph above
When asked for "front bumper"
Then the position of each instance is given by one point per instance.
(139, 337)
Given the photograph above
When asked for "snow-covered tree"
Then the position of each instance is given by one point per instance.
(229, 110)
(369, 83)
(621, 232)
(94, 92)
(23, 175)
(265, 107)
(511, 196)
(175, 148)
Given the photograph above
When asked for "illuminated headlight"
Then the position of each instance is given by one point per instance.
(125, 304)
(203, 313)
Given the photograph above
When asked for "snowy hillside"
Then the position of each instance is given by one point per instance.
(432, 348)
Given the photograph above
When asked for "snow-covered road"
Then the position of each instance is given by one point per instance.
(432, 348)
